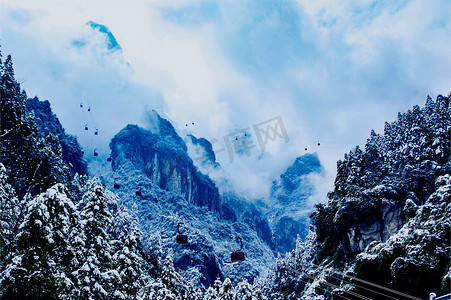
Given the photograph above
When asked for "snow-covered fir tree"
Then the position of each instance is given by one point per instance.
(34, 163)
(226, 291)
(50, 248)
(213, 291)
(10, 217)
(92, 276)
(126, 259)
(42, 256)
(380, 190)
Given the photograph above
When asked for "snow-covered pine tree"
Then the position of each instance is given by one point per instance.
(159, 291)
(210, 294)
(10, 218)
(62, 219)
(128, 265)
(39, 269)
(289, 278)
(243, 290)
(92, 274)
(226, 291)
(13, 104)
(258, 294)
(127, 260)
(33, 164)
(213, 291)
(174, 281)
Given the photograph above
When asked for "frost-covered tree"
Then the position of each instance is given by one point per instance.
(39, 268)
(33, 163)
(128, 263)
(381, 189)
(10, 218)
(156, 289)
(127, 260)
(213, 291)
(94, 261)
(415, 259)
(174, 281)
(226, 291)
(243, 290)
(290, 276)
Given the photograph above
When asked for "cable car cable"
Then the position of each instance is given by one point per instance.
(295, 271)
(350, 278)
(84, 117)
(344, 277)
(96, 132)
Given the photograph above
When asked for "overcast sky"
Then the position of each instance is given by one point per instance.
(331, 70)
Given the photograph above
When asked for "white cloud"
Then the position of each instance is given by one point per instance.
(332, 70)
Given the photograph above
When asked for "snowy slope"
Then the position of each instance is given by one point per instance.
(156, 162)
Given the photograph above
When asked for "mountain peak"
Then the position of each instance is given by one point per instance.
(291, 180)
(111, 41)
(202, 152)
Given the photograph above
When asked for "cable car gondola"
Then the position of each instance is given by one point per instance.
(181, 238)
(116, 185)
(86, 126)
(238, 255)
(138, 193)
(96, 132)
(95, 152)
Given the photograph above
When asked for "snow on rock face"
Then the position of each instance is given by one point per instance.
(162, 155)
(156, 162)
(419, 252)
(293, 179)
(289, 216)
(201, 150)
(362, 234)
(392, 216)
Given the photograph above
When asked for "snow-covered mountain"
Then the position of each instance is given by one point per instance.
(155, 161)
(289, 216)
(48, 123)
(384, 231)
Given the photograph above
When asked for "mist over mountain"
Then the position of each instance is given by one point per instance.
(109, 39)
(290, 212)
(64, 234)
(156, 163)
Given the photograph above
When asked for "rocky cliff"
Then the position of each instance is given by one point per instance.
(162, 155)
(290, 193)
(390, 189)
(48, 123)
(155, 162)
